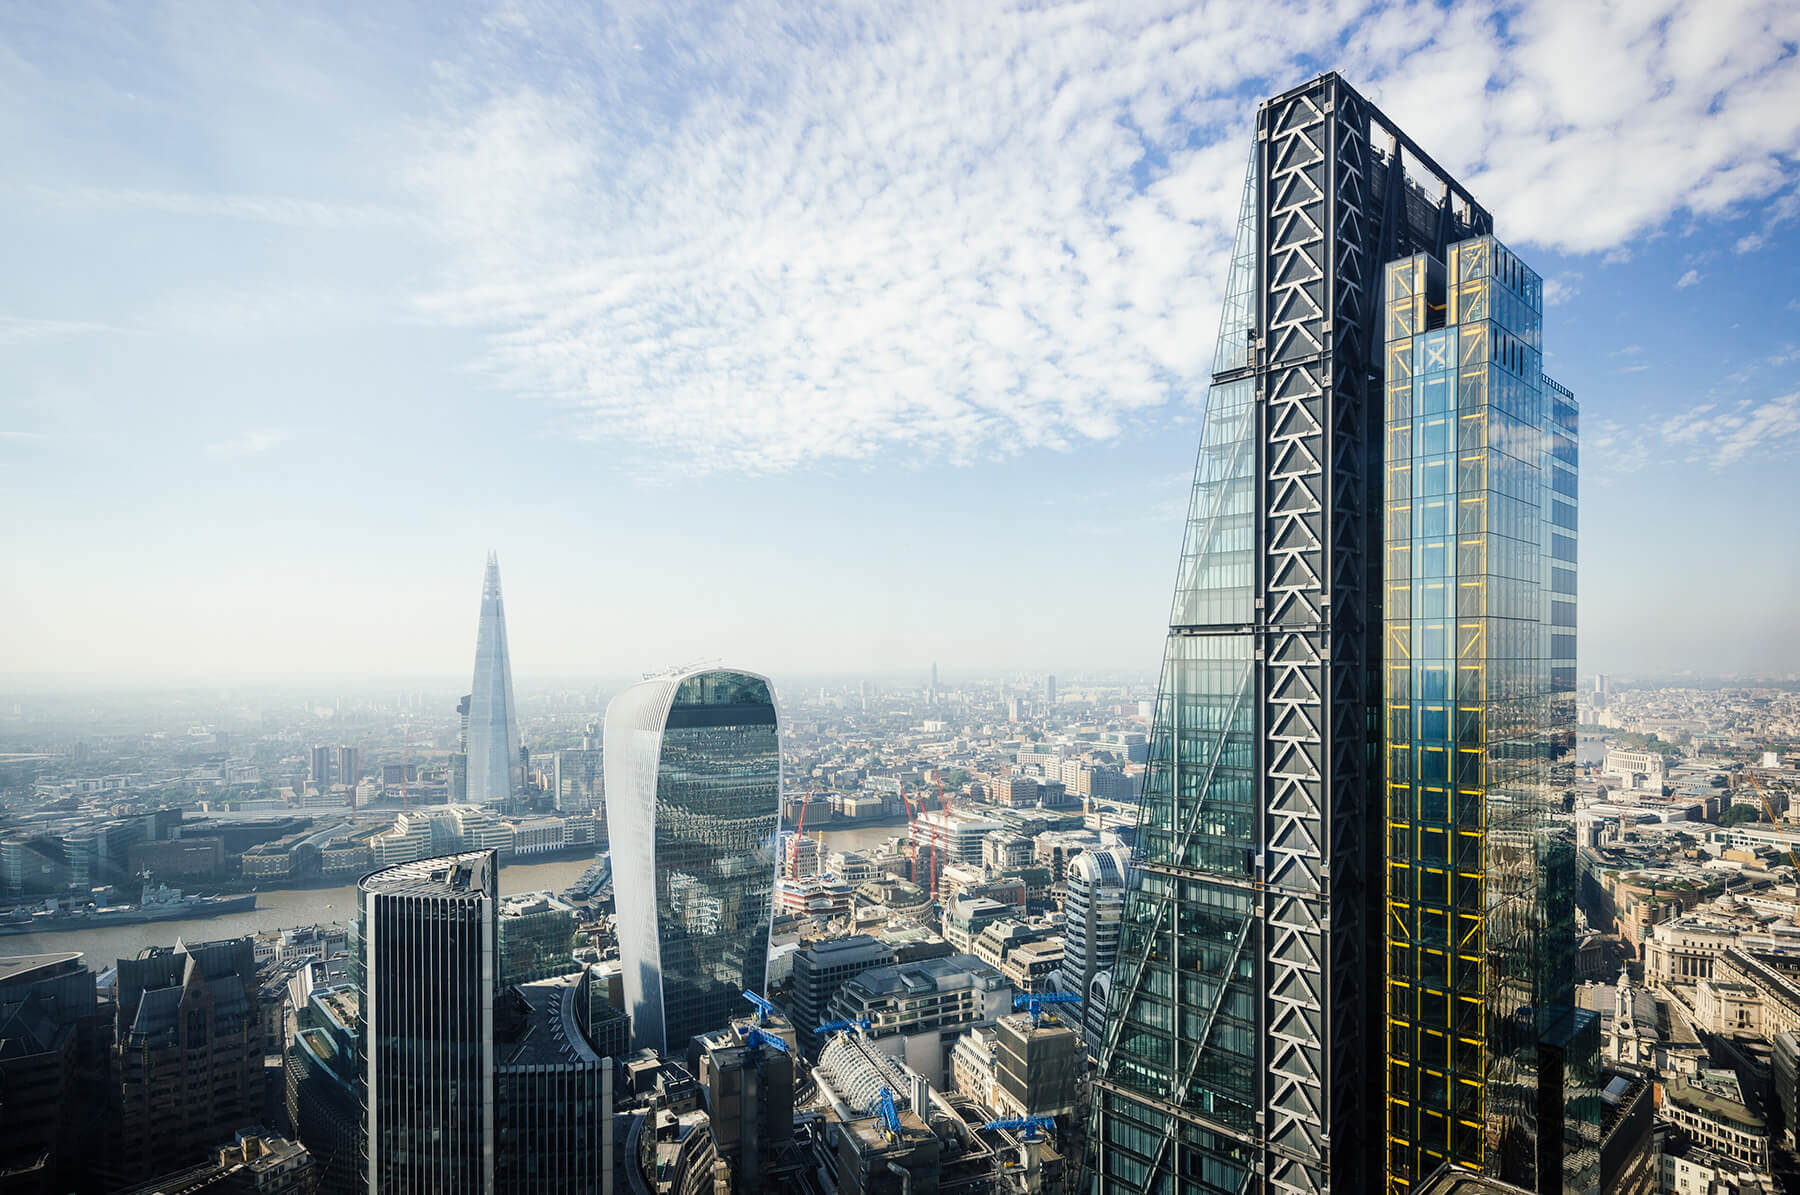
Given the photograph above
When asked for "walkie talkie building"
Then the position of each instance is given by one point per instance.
(1248, 1039)
(693, 797)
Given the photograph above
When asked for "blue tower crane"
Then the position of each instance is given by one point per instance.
(1035, 1001)
(756, 1038)
(862, 1023)
(1029, 1126)
(763, 1008)
(890, 1115)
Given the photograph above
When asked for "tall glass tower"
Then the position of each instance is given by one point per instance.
(1344, 955)
(693, 798)
(496, 771)
(1485, 1049)
(1244, 1049)
(424, 957)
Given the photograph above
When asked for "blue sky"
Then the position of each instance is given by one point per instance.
(820, 337)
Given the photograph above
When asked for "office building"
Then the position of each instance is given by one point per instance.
(440, 830)
(1251, 998)
(1479, 723)
(747, 1086)
(1015, 792)
(51, 1069)
(254, 1163)
(1036, 1061)
(822, 968)
(496, 768)
(424, 955)
(1093, 910)
(552, 1093)
(537, 938)
(577, 779)
(187, 1059)
(693, 797)
(606, 1026)
(917, 1010)
(321, 1075)
(1050, 691)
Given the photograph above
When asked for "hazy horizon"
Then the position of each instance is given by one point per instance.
(831, 342)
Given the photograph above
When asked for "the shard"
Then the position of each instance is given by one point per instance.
(496, 771)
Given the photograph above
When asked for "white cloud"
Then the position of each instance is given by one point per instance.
(1721, 437)
(820, 235)
(1562, 288)
(1691, 278)
(21, 330)
(252, 443)
(1749, 243)
(288, 210)
(778, 234)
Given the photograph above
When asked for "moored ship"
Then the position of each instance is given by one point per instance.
(158, 903)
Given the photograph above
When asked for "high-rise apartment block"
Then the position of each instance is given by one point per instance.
(318, 771)
(349, 765)
(693, 798)
(496, 767)
(1359, 722)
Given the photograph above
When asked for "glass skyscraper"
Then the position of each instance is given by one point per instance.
(495, 770)
(1484, 1047)
(1247, 1041)
(693, 797)
(424, 957)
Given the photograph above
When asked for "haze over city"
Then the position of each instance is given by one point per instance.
(840, 339)
(775, 597)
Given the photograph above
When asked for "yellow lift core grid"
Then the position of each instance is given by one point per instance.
(1466, 705)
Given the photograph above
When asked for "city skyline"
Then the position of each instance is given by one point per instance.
(269, 307)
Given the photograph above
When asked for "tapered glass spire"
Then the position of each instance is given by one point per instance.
(496, 771)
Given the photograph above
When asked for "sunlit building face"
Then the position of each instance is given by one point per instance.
(693, 783)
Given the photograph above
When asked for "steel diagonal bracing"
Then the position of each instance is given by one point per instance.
(1294, 535)
(1166, 899)
(1325, 205)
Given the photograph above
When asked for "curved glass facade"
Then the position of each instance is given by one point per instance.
(425, 943)
(693, 801)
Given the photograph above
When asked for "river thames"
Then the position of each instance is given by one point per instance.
(281, 909)
(288, 908)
